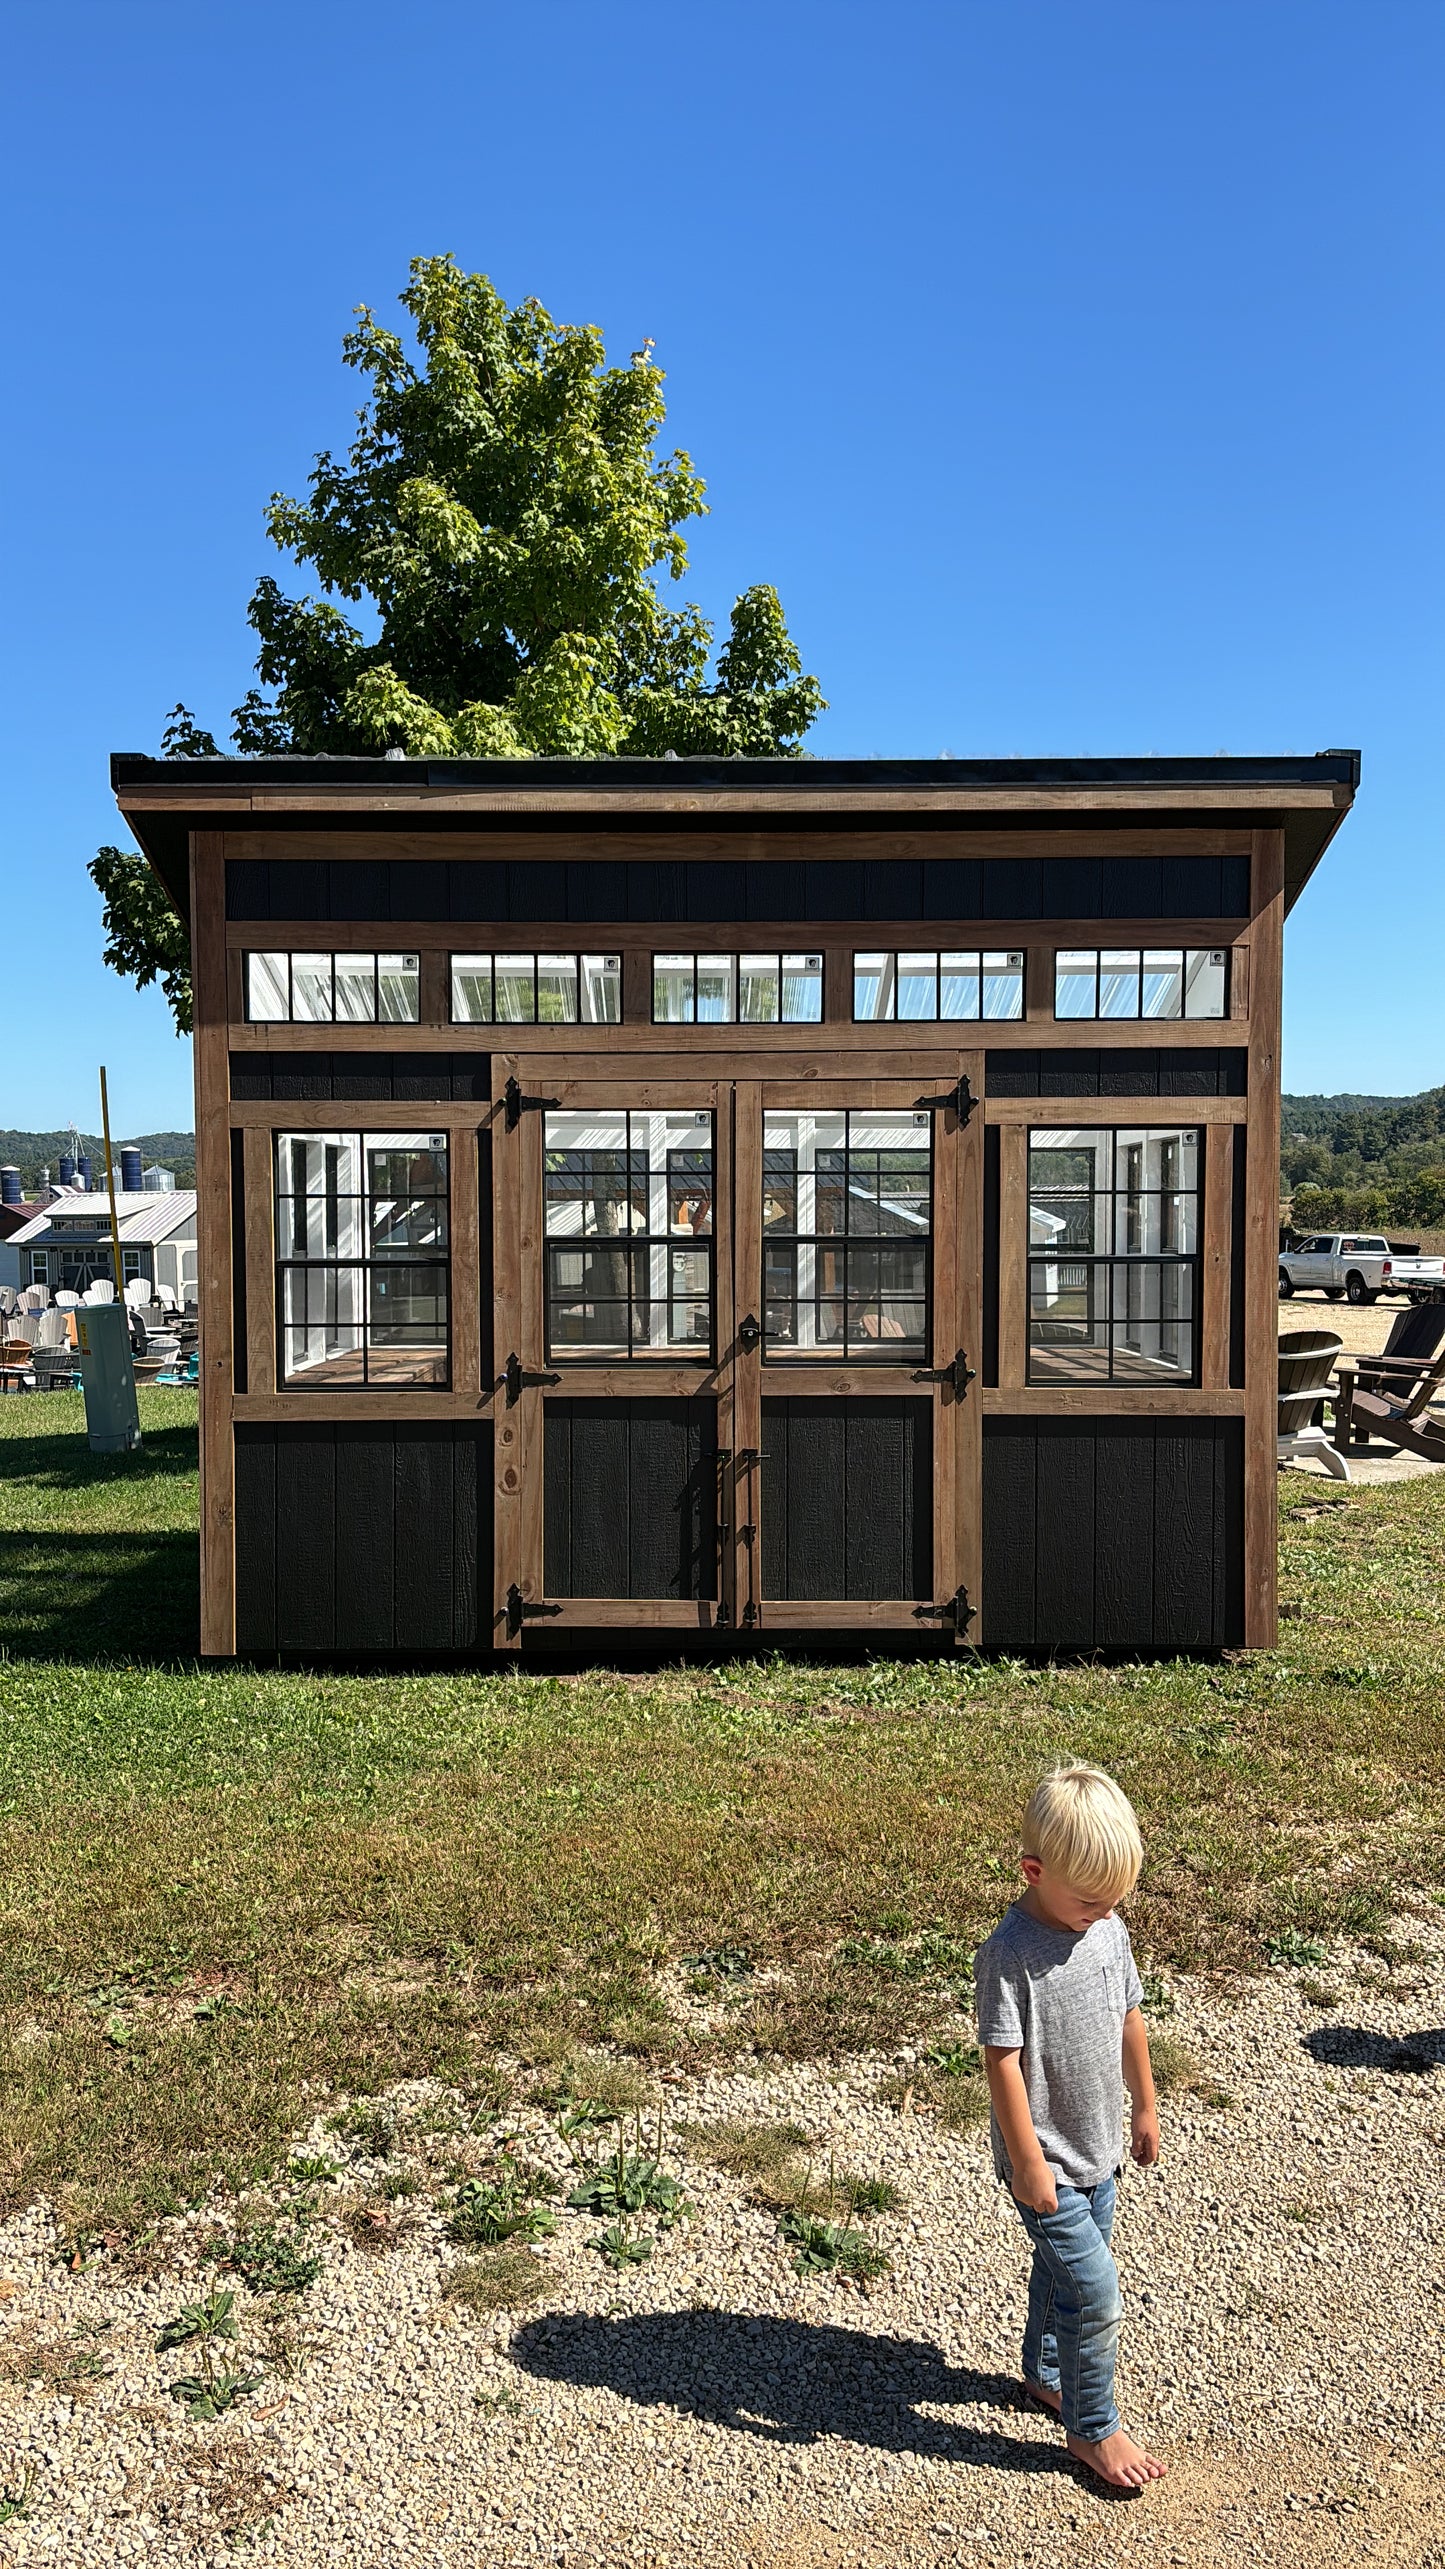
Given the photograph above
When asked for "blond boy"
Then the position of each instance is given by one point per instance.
(1059, 2018)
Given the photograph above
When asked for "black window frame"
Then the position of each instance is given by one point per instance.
(636, 1248)
(365, 1139)
(841, 1244)
(329, 956)
(1112, 1264)
(470, 957)
(1137, 1015)
(735, 956)
(1011, 956)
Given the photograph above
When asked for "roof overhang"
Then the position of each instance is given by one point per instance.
(164, 799)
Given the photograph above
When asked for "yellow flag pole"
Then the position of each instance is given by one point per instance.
(110, 1188)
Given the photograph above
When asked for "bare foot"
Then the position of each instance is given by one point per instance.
(1117, 2460)
(1051, 2400)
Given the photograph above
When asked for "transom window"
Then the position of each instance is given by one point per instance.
(923, 986)
(737, 989)
(327, 989)
(536, 989)
(1113, 1254)
(629, 1234)
(1133, 981)
(847, 1215)
(362, 1258)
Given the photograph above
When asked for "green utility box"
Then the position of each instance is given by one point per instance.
(107, 1371)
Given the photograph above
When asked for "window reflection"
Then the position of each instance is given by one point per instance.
(628, 1219)
(847, 1213)
(362, 1258)
(1113, 1253)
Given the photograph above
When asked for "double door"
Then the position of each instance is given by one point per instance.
(735, 1332)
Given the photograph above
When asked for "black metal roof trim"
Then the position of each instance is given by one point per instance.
(1326, 767)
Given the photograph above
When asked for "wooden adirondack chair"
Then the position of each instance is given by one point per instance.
(1416, 1338)
(1396, 1408)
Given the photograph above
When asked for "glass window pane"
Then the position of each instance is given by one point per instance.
(1204, 982)
(918, 986)
(802, 989)
(1119, 981)
(398, 980)
(471, 989)
(356, 988)
(311, 988)
(759, 990)
(716, 989)
(268, 987)
(1003, 985)
(602, 989)
(514, 985)
(959, 994)
(1076, 982)
(875, 987)
(673, 998)
(556, 990)
(1163, 984)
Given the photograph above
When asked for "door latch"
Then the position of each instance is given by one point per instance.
(518, 1380)
(750, 1333)
(519, 1606)
(961, 1099)
(514, 1104)
(960, 1373)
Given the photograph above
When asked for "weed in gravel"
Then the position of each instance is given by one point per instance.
(1158, 1994)
(208, 2325)
(307, 2167)
(593, 2078)
(1292, 1948)
(370, 2130)
(824, 2247)
(269, 2259)
(485, 2211)
(15, 2496)
(631, 2182)
(621, 2244)
(507, 2279)
(73, 2365)
(1318, 1993)
(399, 2185)
(1178, 2071)
(746, 2149)
(719, 1962)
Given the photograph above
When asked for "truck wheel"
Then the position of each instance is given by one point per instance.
(1286, 1286)
(1356, 1290)
(1334, 1293)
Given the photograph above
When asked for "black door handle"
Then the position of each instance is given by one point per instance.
(518, 1380)
(960, 1373)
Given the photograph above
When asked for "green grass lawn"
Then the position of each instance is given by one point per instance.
(226, 1892)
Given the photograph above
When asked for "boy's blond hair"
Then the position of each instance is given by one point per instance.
(1082, 1826)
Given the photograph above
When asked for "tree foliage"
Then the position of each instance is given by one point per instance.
(503, 517)
(1366, 1162)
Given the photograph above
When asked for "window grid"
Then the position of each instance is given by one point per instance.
(362, 1266)
(1132, 981)
(1113, 1271)
(847, 1225)
(536, 989)
(628, 1217)
(922, 987)
(737, 989)
(333, 989)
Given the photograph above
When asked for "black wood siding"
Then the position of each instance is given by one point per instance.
(629, 1496)
(361, 1536)
(672, 892)
(1113, 1533)
(846, 1498)
(1104, 1072)
(428, 1078)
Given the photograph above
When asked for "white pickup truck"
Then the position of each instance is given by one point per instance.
(1356, 1266)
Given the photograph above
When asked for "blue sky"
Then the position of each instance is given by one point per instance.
(1073, 370)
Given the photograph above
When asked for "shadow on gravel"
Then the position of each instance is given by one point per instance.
(1353, 2047)
(785, 2379)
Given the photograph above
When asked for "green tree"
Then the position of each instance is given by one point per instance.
(505, 516)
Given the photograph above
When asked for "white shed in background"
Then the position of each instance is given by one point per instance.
(67, 1245)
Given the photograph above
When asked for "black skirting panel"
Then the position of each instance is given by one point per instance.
(354, 1537)
(428, 1078)
(673, 892)
(1113, 1533)
(1103, 1071)
(629, 1498)
(846, 1498)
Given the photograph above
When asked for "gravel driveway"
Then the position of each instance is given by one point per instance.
(1283, 2274)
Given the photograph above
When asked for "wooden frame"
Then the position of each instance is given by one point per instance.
(601, 817)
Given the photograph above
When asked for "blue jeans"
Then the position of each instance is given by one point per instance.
(1071, 2338)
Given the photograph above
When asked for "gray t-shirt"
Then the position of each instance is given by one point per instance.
(1060, 2000)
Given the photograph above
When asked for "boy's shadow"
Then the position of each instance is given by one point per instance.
(1355, 2047)
(789, 2380)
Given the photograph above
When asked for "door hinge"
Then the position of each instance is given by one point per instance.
(518, 1380)
(514, 1104)
(955, 1610)
(960, 1373)
(518, 1607)
(961, 1099)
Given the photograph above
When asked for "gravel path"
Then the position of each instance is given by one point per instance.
(1282, 2268)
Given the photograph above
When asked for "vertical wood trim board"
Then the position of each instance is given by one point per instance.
(1261, 1245)
(213, 1242)
(1013, 1258)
